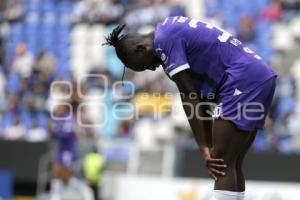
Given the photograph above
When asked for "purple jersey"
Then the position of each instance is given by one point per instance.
(215, 58)
(65, 133)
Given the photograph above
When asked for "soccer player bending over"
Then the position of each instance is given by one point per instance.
(207, 61)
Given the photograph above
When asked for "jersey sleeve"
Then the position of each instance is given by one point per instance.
(172, 52)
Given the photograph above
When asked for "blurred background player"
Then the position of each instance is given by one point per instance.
(63, 128)
(93, 165)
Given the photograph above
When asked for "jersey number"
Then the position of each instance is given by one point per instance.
(224, 37)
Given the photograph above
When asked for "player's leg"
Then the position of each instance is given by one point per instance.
(263, 95)
(239, 164)
(66, 174)
(228, 143)
(206, 110)
(56, 184)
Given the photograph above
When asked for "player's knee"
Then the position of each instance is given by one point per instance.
(218, 153)
(229, 159)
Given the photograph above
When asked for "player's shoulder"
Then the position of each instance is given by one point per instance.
(167, 30)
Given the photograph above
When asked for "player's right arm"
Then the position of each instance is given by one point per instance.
(199, 127)
(172, 52)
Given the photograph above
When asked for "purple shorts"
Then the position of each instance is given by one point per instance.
(66, 158)
(247, 110)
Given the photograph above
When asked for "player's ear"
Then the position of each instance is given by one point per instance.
(140, 47)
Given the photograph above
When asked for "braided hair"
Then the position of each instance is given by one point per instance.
(113, 38)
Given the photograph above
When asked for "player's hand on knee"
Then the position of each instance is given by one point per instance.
(215, 166)
(215, 173)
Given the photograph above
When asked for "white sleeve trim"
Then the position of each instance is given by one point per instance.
(179, 69)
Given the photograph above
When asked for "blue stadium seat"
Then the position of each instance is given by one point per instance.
(33, 48)
(260, 142)
(13, 83)
(31, 39)
(6, 185)
(48, 5)
(42, 120)
(64, 30)
(33, 19)
(49, 20)
(261, 4)
(62, 41)
(16, 28)
(47, 33)
(264, 39)
(64, 21)
(232, 10)
(62, 46)
(47, 38)
(65, 6)
(13, 41)
(212, 7)
(10, 49)
(7, 120)
(46, 41)
(26, 119)
(48, 30)
(62, 66)
(63, 73)
(32, 5)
